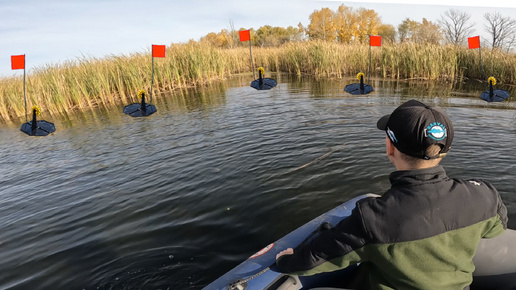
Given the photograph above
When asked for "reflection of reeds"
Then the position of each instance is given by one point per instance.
(90, 83)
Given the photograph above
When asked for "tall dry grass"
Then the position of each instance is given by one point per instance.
(89, 83)
(400, 61)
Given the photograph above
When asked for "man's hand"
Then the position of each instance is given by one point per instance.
(288, 251)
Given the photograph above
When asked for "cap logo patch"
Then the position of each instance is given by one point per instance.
(436, 131)
(391, 136)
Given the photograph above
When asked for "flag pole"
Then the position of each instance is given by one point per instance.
(152, 79)
(481, 68)
(24, 95)
(251, 53)
(369, 69)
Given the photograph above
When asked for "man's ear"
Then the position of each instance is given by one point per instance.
(389, 146)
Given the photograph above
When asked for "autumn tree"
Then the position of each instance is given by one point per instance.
(322, 25)
(455, 26)
(295, 33)
(274, 36)
(368, 23)
(429, 32)
(501, 29)
(388, 33)
(346, 24)
(419, 32)
(407, 30)
(221, 39)
(264, 36)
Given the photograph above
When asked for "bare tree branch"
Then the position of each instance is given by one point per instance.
(501, 29)
(232, 33)
(455, 26)
(511, 42)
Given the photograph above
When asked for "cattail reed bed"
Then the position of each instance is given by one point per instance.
(90, 83)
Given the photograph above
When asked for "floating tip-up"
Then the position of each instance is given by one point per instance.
(263, 83)
(493, 95)
(37, 128)
(359, 88)
(141, 109)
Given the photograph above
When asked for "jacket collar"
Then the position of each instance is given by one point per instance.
(417, 176)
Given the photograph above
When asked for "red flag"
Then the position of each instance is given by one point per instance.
(375, 40)
(244, 35)
(474, 42)
(18, 61)
(158, 50)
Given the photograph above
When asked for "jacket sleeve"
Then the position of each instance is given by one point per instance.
(499, 225)
(333, 249)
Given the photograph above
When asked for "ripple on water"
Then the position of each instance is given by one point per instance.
(177, 199)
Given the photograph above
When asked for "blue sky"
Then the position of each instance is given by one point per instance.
(53, 31)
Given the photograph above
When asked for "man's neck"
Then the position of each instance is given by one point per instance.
(406, 167)
(400, 164)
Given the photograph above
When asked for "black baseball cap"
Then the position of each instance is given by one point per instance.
(414, 126)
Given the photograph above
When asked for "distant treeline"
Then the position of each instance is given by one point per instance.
(263, 36)
(348, 25)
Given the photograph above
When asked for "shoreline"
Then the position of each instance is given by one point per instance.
(90, 83)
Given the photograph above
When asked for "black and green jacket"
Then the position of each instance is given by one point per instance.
(421, 234)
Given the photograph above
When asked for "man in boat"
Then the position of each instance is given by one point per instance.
(424, 231)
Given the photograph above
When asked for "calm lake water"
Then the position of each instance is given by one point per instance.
(174, 200)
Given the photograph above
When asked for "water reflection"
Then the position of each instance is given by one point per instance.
(184, 100)
(193, 99)
(213, 95)
(437, 92)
